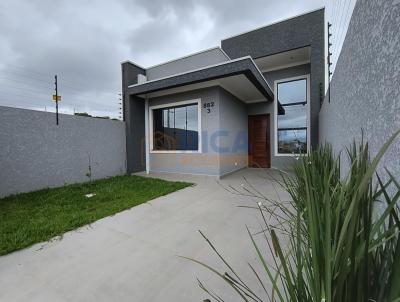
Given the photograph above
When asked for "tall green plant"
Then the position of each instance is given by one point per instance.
(343, 234)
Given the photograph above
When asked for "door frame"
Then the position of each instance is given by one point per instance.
(268, 137)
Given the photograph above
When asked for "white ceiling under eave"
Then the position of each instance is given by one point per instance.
(285, 59)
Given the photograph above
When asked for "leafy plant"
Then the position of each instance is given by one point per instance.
(335, 240)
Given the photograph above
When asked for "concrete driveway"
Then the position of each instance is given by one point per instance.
(131, 256)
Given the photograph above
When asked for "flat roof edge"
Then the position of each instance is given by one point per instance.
(194, 70)
(190, 55)
(133, 63)
(217, 71)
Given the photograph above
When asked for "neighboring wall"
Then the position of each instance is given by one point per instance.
(35, 153)
(365, 89)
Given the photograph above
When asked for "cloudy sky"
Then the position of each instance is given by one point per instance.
(83, 42)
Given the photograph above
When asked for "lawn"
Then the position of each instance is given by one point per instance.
(38, 216)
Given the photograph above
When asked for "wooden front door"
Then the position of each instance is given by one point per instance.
(259, 142)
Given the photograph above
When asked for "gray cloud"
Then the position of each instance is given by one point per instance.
(84, 43)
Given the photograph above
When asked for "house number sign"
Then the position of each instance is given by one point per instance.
(208, 106)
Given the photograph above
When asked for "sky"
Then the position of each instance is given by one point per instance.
(84, 42)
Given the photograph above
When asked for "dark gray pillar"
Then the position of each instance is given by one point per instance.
(134, 117)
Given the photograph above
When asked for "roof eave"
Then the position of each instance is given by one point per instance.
(245, 66)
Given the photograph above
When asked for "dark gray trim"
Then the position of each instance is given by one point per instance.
(130, 73)
(135, 135)
(133, 115)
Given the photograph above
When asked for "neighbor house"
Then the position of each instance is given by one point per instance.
(252, 102)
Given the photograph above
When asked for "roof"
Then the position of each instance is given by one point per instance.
(243, 65)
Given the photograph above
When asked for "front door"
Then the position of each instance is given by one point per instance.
(259, 142)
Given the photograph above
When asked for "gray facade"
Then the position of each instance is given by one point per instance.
(226, 123)
(36, 154)
(206, 162)
(278, 162)
(216, 75)
(365, 88)
(233, 138)
(298, 32)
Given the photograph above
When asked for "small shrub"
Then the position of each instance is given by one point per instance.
(342, 245)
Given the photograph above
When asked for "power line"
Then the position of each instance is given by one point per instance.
(17, 94)
(341, 35)
(28, 70)
(26, 76)
(23, 81)
(24, 69)
(345, 23)
(33, 89)
(336, 11)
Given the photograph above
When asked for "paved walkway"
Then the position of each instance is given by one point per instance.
(131, 256)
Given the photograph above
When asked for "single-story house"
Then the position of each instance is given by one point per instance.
(253, 101)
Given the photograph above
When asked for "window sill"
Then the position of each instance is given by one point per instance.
(290, 154)
(175, 151)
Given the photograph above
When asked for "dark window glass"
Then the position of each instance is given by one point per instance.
(294, 117)
(292, 141)
(176, 128)
(292, 125)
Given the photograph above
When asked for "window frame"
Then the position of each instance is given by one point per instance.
(286, 80)
(175, 104)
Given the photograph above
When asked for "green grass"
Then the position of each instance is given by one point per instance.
(38, 216)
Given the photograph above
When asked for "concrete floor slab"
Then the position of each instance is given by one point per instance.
(132, 256)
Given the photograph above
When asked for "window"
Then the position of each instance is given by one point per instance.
(176, 128)
(292, 125)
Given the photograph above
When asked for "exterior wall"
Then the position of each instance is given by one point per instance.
(278, 162)
(223, 134)
(233, 141)
(133, 111)
(305, 30)
(365, 88)
(36, 154)
(285, 73)
(199, 60)
(206, 162)
(135, 134)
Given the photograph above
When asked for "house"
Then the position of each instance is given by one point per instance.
(252, 102)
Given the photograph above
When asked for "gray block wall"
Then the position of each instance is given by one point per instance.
(365, 88)
(36, 154)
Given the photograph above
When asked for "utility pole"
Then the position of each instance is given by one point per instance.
(329, 61)
(56, 98)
